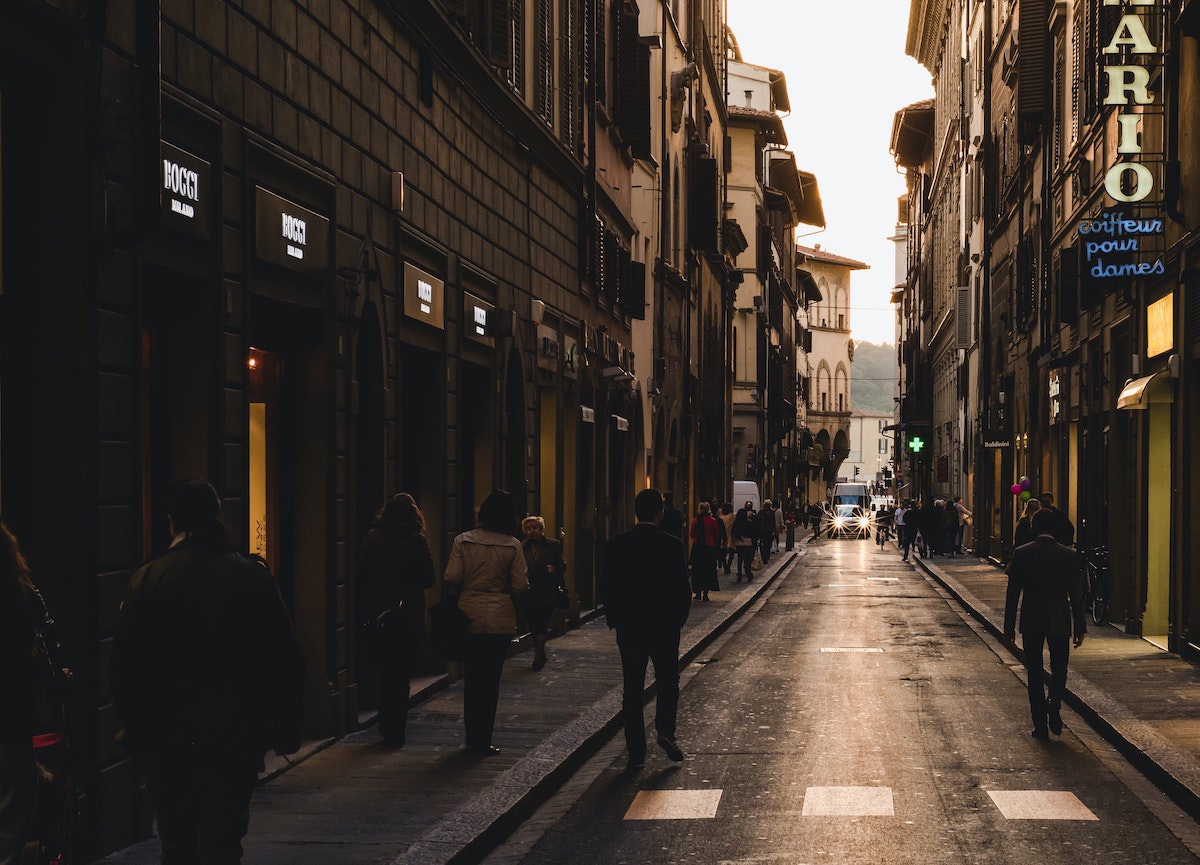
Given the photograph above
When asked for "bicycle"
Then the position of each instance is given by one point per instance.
(1095, 563)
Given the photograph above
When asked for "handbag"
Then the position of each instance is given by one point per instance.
(448, 630)
(562, 597)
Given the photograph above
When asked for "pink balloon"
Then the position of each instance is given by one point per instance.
(1015, 489)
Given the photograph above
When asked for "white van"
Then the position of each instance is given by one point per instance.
(851, 494)
(746, 491)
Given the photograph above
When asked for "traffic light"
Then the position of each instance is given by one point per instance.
(915, 444)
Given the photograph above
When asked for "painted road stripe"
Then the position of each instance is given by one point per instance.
(848, 802)
(674, 805)
(1040, 805)
(844, 649)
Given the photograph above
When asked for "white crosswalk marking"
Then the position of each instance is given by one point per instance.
(848, 802)
(674, 805)
(1040, 805)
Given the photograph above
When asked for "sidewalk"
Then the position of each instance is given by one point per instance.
(1143, 700)
(357, 801)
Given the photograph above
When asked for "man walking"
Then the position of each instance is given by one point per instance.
(1045, 576)
(1061, 526)
(647, 599)
(898, 520)
(963, 516)
(207, 677)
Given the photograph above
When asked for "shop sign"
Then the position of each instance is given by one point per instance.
(1130, 58)
(570, 352)
(289, 235)
(1160, 326)
(478, 316)
(1114, 245)
(997, 443)
(184, 184)
(1055, 391)
(424, 297)
(549, 349)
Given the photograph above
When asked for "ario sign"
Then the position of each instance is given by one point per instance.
(1130, 57)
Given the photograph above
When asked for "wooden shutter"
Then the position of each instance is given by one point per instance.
(633, 296)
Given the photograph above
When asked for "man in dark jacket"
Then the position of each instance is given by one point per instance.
(207, 676)
(1046, 577)
(1061, 526)
(672, 518)
(647, 599)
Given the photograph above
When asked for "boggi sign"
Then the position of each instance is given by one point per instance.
(1130, 58)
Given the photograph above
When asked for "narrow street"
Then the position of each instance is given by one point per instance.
(858, 716)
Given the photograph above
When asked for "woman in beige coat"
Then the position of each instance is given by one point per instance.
(488, 574)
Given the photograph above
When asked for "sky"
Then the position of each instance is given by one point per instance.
(847, 75)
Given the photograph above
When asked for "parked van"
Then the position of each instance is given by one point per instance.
(851, 494)
(746, 491)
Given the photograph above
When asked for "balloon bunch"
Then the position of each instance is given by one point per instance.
(1022, 489)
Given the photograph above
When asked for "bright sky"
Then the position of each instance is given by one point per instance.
(847, 76)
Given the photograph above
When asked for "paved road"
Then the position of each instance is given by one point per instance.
(858, 716)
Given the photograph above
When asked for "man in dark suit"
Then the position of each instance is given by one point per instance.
(672, 517)
(1046, 577)
(647, 598)
(1062, 528)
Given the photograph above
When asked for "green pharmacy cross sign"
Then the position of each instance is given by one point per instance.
(916, 444)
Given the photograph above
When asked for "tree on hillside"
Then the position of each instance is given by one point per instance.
(873, 376)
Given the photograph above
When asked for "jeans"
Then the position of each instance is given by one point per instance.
(636, 651)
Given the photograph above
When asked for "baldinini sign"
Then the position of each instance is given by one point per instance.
(1130, 56)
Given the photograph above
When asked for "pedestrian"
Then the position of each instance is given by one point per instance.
(207, 677)
(744, 531)
(883, 524)
(22, 611)
(705, 536)
(646, 596)
(950, 519)
(930, 522)
(672, 522)
(815, 513)
(488, 575)
(899, 520)
(964, 520)
(766, 530)
(1061, 526)
(1024, 531)
(395, 569)
(779, 523)
(1046, 577)
(729, 551)
(545, 565)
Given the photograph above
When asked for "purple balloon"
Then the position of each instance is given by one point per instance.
(1026, 484)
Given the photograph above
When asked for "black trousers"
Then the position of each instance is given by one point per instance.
(202, 797)
(482, 666)
(1060, 652)
(637, 650)
(399, 648)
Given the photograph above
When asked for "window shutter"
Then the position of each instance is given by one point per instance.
(631, 72)
(516, 72)
(568, 111)
(499, 33)
(1068, 285)
(600, 59)
(702, 204)
(633, 296)
(545, 61)
(963, 317)
(612, 267)
(1033, 35)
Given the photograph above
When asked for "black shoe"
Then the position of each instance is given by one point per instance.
(539, 664)
(635, 762)
(671, 749)
(1054, 717)
(1040, 733)
(484, 750)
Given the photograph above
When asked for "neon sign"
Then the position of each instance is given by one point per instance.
(1129, 181)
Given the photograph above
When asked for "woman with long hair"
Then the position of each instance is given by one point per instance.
(18, 772)
(488, 575)
(395, 569)
(545, 564)
(706, 538)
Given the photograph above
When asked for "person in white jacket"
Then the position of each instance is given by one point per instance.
(488, 575)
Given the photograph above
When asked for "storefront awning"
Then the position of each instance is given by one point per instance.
(1141, 392)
